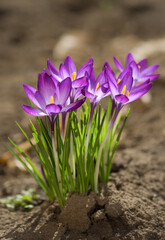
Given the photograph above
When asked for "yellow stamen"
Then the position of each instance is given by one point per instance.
(51, 100)
(73, 76)
(123, 90)
(127, 93)
(139, 66)
(119, 80)
(97, 86)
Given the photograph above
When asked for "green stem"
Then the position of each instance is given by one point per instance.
(56, 158)
(88, 134)
(101, 148)
(63, 125)
(72, 160)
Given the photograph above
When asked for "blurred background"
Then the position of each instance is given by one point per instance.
(31, 31)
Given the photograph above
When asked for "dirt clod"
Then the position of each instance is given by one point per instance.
(75, 212)
(113, 210)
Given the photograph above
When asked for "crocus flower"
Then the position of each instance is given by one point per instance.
(93, 91)
(50, 98)
(122, 89)
(140, 71)
(68, 69)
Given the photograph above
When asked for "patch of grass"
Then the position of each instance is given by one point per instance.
(25, 201)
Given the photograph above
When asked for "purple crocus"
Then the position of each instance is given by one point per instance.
(68, 69)
(123, 90)
(93, 91)
(78, 79)
(50, 98)
(140, 71)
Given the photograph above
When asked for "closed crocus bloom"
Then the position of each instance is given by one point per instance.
(140, 71)
(94, 89)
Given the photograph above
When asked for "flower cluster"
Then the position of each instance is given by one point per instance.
(58, 90)
(76, 153)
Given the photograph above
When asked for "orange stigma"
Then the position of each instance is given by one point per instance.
(97, 86)
(123, 90)
(73, 76)
(119, 80)
(51, 100)
(127, 93)
(139, 66)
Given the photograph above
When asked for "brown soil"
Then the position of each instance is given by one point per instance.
(131, 205)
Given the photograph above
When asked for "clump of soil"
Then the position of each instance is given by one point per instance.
(80, 206)
(113, 215)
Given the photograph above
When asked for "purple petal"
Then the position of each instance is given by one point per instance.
(46, 87)
(78, 93)
(140, 86)
(52, 68)
(86, 67)
(105, 88)
(69, 65)
(92, 81)
(64, 89)
(80, 82)
(56, 79)
(63, 72)
(150, 70)
(130, 59)
(113, 88)
(41, 100)
(88, 94)
(118, 64)
(73, 106)
(111, 77)
(101, 79)
(54, 72)
(122, 98)
(30, 91)
(143, 64)
(126, 81)
(134, 95)
(123, 73)
(153, 77)
(53, 109)
(33, 111)
(135, 70)
(100, 94)
(107, 66)
(148, 77)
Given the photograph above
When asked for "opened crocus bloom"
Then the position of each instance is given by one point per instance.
(122, 89)
(140, 71)
(68, 69)
(50, 98)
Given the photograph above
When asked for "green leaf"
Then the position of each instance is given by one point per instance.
(116, 145)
